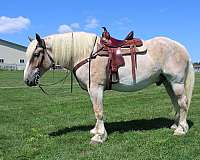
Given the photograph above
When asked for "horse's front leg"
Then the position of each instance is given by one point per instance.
(99, 132)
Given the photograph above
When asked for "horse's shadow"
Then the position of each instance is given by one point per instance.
(123, 126)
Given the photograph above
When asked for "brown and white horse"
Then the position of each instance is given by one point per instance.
(166, 61)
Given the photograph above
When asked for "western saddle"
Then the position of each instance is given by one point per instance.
(113, 48)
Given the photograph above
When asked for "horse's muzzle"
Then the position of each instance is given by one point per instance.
(34, 80)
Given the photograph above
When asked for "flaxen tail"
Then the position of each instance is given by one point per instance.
(189, 82)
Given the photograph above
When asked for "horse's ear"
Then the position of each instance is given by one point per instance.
(41, 42)
(38, 38)
(30, 38)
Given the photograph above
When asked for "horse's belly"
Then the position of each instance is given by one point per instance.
(146, 74)
(130, 87)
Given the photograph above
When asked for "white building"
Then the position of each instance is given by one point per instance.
(196, 67)
(12, 55)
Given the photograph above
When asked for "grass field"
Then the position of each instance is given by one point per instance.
(56, 127)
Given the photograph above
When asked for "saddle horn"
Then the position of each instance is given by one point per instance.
(104, 29)
(105, 33)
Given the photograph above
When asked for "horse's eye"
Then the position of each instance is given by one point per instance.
(36, 54)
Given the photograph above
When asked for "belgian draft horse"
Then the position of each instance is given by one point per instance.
(166, 61)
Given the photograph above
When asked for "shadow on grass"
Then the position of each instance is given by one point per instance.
(123, 126)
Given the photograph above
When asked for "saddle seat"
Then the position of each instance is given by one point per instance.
(112, 42)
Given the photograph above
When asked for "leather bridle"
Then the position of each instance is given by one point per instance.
(43, 52)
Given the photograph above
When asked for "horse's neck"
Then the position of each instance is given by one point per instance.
(68, 54)
(71, 61)
(68, 60)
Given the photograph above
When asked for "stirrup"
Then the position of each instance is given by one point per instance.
(115, 78)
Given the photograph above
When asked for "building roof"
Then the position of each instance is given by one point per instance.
(196, 65)
(12, 45)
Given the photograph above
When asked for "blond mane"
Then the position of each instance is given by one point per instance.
(65, 48)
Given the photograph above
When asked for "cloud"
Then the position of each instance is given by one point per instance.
(13, 25)
(91, 23)
(64, 28)
(75, 25)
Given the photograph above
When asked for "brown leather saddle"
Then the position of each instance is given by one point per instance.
(113, 47)
(128, 41)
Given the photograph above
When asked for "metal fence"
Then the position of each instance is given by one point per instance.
(4, 66)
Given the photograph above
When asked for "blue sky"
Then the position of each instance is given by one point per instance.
(177, 19)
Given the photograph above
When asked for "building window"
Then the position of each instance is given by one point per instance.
(21, 60)
(1, 60)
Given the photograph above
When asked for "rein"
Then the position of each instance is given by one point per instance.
(53, 66)
(93, 55)
(52, 84)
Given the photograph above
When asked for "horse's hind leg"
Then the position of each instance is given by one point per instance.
(96, 95)
(174, 101)
(178, 97)
(179, 90)
(176, 92)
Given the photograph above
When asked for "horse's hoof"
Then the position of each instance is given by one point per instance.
(93, 142)
(97, 139)
(179, 131)
(93, 131)
(174, 127)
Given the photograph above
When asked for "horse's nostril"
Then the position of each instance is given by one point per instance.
(29, 83)
(26, 81)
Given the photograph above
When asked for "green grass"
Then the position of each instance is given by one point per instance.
(37, 126)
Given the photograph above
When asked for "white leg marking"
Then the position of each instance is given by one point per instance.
(96, 95)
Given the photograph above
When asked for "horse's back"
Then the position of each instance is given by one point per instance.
(162, 48)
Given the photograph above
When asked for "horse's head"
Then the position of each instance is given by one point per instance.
(38, 62)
